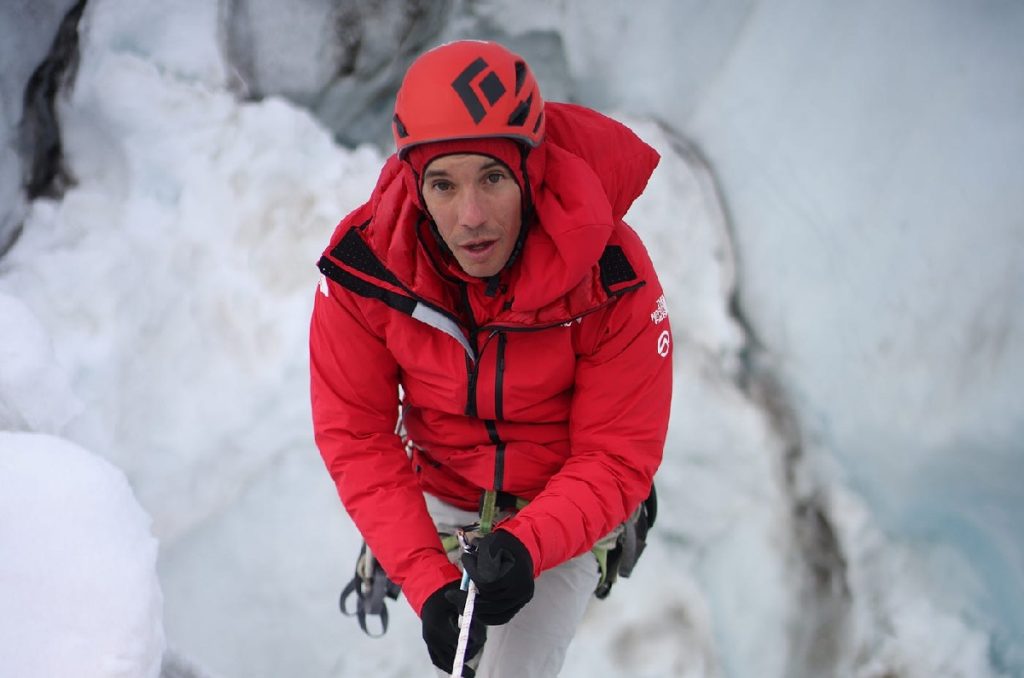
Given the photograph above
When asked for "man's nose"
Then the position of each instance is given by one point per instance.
(471, 209)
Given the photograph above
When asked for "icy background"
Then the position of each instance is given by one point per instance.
(842, 491)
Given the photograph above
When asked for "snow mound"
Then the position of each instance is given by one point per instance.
(78, 575)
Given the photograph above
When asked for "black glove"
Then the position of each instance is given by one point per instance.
(503, 571)
(440, 618)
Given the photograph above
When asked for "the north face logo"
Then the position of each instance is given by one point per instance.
(489, 86)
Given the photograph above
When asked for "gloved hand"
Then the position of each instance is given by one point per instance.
(503, 571)
(440, 618)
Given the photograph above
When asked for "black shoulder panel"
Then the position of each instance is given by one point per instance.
(352, 251)
(615, 268)
(366, 289)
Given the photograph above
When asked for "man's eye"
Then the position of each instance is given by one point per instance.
(441, 185)
(495, 177)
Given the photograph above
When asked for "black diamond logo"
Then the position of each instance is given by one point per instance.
(490, 86)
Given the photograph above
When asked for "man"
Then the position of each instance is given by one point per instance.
(491, 283)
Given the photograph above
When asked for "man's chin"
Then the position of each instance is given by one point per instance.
(479, 269)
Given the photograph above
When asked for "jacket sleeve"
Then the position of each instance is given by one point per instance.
(618, 425)
(354, 393)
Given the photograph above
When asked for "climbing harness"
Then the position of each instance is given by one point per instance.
(617, 555)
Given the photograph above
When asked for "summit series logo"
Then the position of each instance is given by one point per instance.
(660, 311)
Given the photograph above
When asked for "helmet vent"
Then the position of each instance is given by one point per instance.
(400, 128)
(522, 111)
(520, 75)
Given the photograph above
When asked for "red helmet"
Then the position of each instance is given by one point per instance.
(466, 90)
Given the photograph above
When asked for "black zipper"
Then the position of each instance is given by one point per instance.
(499, 414)
(473, 365)
(499, 453)
(499, 378)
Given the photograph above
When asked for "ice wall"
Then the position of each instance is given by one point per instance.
(869, 161)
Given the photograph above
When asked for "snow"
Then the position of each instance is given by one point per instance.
(862, 213)
(78, 576)
(35, 393)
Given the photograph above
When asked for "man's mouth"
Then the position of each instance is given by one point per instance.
(479, 247)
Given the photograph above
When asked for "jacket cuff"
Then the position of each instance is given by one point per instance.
(521, 531)
(428, 580)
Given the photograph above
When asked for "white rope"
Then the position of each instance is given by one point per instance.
(464, 621)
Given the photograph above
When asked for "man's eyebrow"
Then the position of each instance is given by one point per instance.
(492, 164)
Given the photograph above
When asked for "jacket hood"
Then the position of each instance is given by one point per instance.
(583, 179)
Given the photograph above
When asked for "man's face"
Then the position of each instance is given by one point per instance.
(476, 204)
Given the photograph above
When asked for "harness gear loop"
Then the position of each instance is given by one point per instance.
(370, 586)
(618, 553)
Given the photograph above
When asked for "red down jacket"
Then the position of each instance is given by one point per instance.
(556, 389)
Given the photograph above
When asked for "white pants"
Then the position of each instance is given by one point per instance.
(534, 643)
